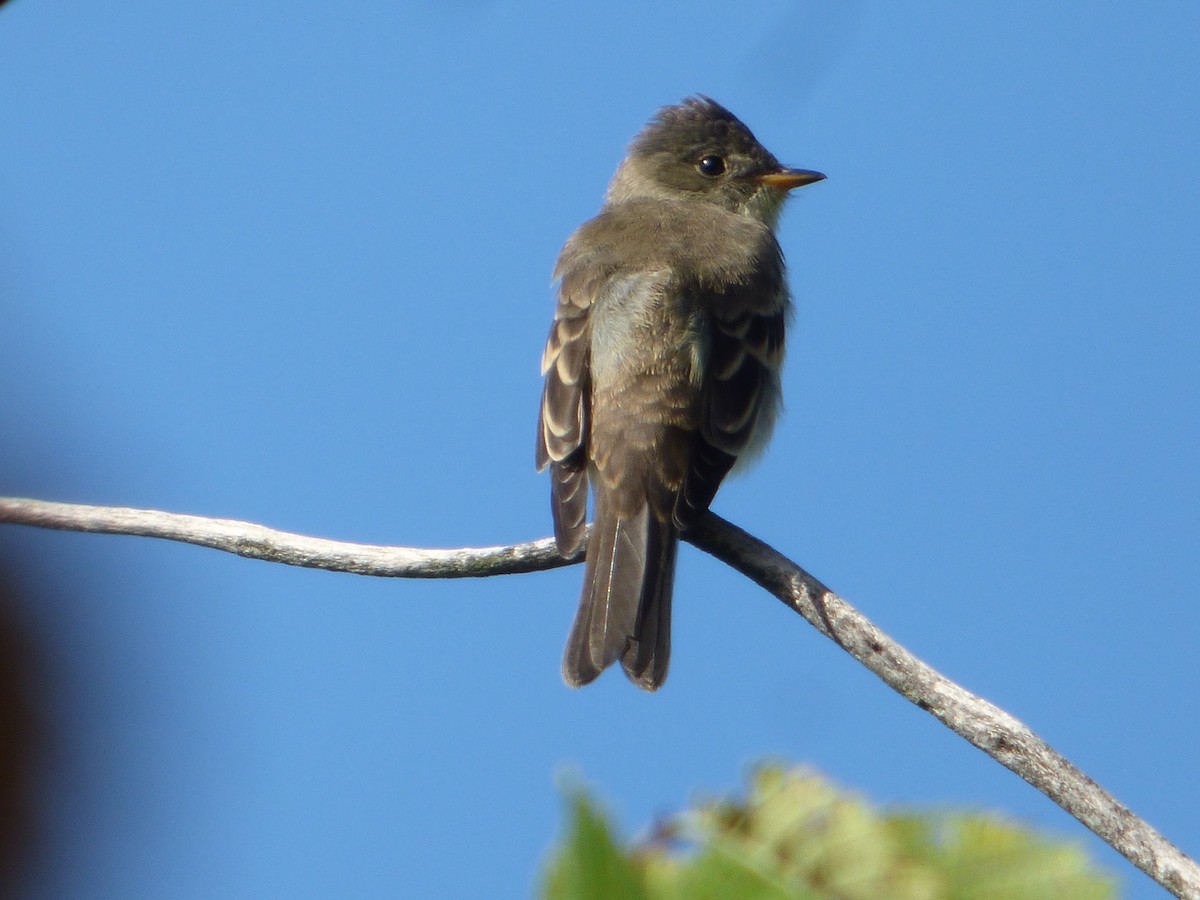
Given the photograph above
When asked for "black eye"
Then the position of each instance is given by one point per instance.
(712, 166)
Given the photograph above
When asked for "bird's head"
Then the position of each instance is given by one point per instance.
(698, 150)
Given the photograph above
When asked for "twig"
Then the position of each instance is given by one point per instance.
(988, 727)
(270, 545)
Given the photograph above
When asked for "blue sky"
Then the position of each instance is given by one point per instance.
(276, 262)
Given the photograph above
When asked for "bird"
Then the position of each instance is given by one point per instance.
(661, 370)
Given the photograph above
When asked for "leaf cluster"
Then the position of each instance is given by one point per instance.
(796, 836)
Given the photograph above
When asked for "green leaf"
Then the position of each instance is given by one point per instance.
(590, 866)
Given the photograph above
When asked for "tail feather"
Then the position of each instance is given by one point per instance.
(625, 609)
(645, 659)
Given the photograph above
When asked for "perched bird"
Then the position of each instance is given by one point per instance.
(661, 369)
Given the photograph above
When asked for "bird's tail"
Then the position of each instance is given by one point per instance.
(625, 610)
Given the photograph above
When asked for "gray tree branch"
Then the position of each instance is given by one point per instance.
(991, 729)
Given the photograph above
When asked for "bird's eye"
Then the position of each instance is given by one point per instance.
(712, 166)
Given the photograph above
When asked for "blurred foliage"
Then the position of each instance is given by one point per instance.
(23, 730)
(798, 837)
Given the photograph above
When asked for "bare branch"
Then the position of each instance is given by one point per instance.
(988, 727)
(268, 544)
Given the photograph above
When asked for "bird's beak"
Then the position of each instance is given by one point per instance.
(786, 179)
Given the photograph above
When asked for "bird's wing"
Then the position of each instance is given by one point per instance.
(744, 354)
(565, 411)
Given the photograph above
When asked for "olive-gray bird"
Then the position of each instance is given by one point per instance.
(662, 368)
